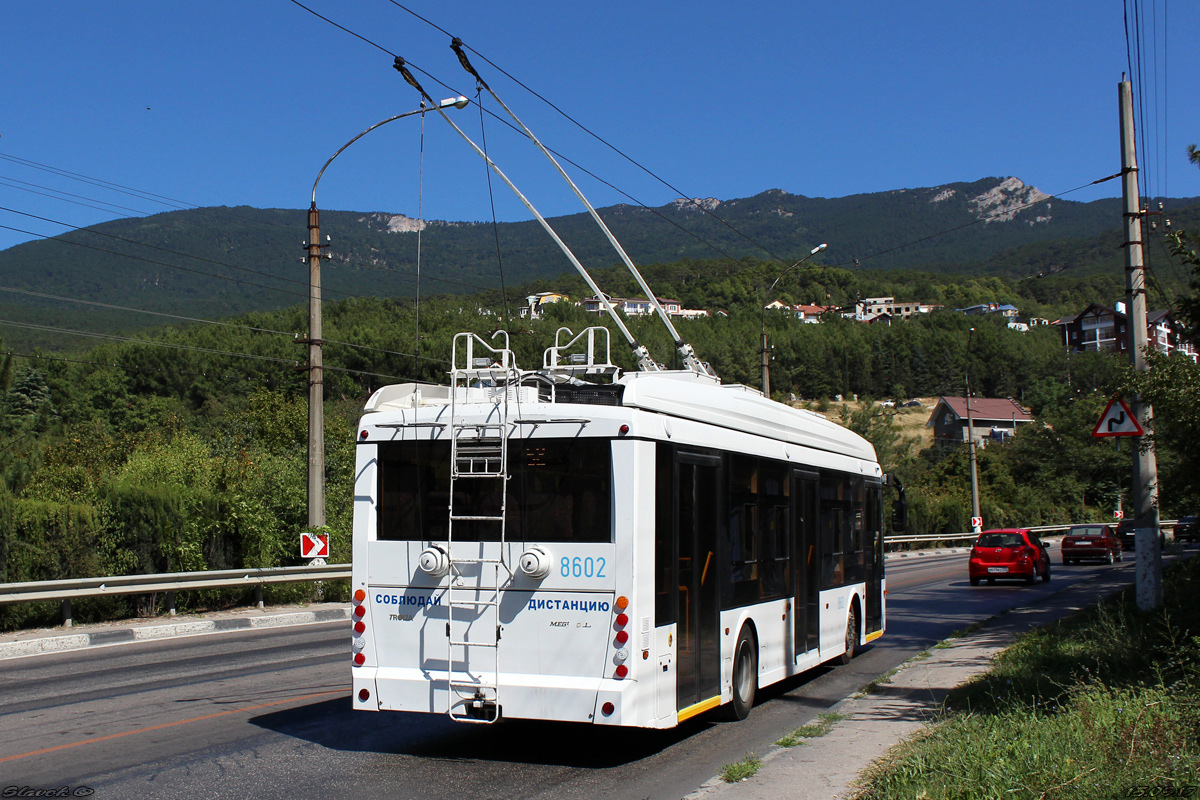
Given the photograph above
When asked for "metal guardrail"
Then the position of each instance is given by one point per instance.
(969, 536)
(962, 537)
(169, 582)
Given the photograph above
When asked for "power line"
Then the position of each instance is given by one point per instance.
(103, 364)
(139, 193)
(980, 220)
(116, 338)
(159, 263)
(346, 262)
(51, 193)
(113, 337)
(180, 317)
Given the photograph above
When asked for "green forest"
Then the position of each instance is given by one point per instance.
(184, 447)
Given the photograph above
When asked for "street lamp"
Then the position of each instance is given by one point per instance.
(316, 410)
(766, 368)
(975, 515)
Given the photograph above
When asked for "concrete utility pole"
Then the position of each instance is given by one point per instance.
(1145, 467)
(766, 351)
(971, 439)
(316, 382)
(766, 362)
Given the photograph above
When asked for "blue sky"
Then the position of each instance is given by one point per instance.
(240, 103)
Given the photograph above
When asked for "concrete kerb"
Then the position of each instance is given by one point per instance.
(28, 643)
(873, 722)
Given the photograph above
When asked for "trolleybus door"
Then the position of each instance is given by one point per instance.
(808, 560)
(874, 557)
(698, 512)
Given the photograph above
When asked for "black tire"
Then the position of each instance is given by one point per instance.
(974, 581)
(1032, 579)
(1066, 562)
(1046, 574)
(1111, 558)
(851, 635)
(745, 676)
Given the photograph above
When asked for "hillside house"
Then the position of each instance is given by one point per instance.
(869, 309)
(1099, 327)
(640, 306)
(1006, 310)
(811, 312)
(992, 419)
(535, 304)
(805, 312)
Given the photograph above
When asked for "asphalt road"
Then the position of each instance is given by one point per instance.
(266, 714)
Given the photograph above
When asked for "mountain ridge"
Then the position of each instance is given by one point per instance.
(221, 260)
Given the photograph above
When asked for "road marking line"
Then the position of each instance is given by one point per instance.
(168, 725)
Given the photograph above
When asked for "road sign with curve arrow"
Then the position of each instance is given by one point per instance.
(1117, 420)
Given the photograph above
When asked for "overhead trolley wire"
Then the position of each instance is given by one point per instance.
(586, 171)
(607, 144)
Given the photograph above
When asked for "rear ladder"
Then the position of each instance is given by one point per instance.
(479, 454)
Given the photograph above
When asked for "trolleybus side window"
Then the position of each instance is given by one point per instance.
(844, 533)
(560, 491)
(759, 543)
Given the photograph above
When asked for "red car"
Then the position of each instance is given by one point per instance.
(1009, 553)
(1091, 541)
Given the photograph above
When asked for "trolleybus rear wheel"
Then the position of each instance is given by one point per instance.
(745, 675)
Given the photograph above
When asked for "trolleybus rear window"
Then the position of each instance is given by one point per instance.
(560, 490)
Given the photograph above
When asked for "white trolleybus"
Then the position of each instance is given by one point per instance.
(531, 545)
(578, 543)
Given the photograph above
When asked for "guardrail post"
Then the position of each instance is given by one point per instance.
(171, 602)
(258, 601)
(66, 612)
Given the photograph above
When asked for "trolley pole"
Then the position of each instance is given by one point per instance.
(316, 383)
(1145, 466)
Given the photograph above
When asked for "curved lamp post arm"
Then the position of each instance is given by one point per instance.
(457, 102)
(316, 390)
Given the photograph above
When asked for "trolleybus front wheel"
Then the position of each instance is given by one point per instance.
(745, 675)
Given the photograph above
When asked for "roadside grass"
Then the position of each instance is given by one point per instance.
(874, 686)
(1105, 703)
(740, 770)
(812, 730)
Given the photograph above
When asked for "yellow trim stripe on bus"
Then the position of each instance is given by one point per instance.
(873, 636)
(699, 708)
